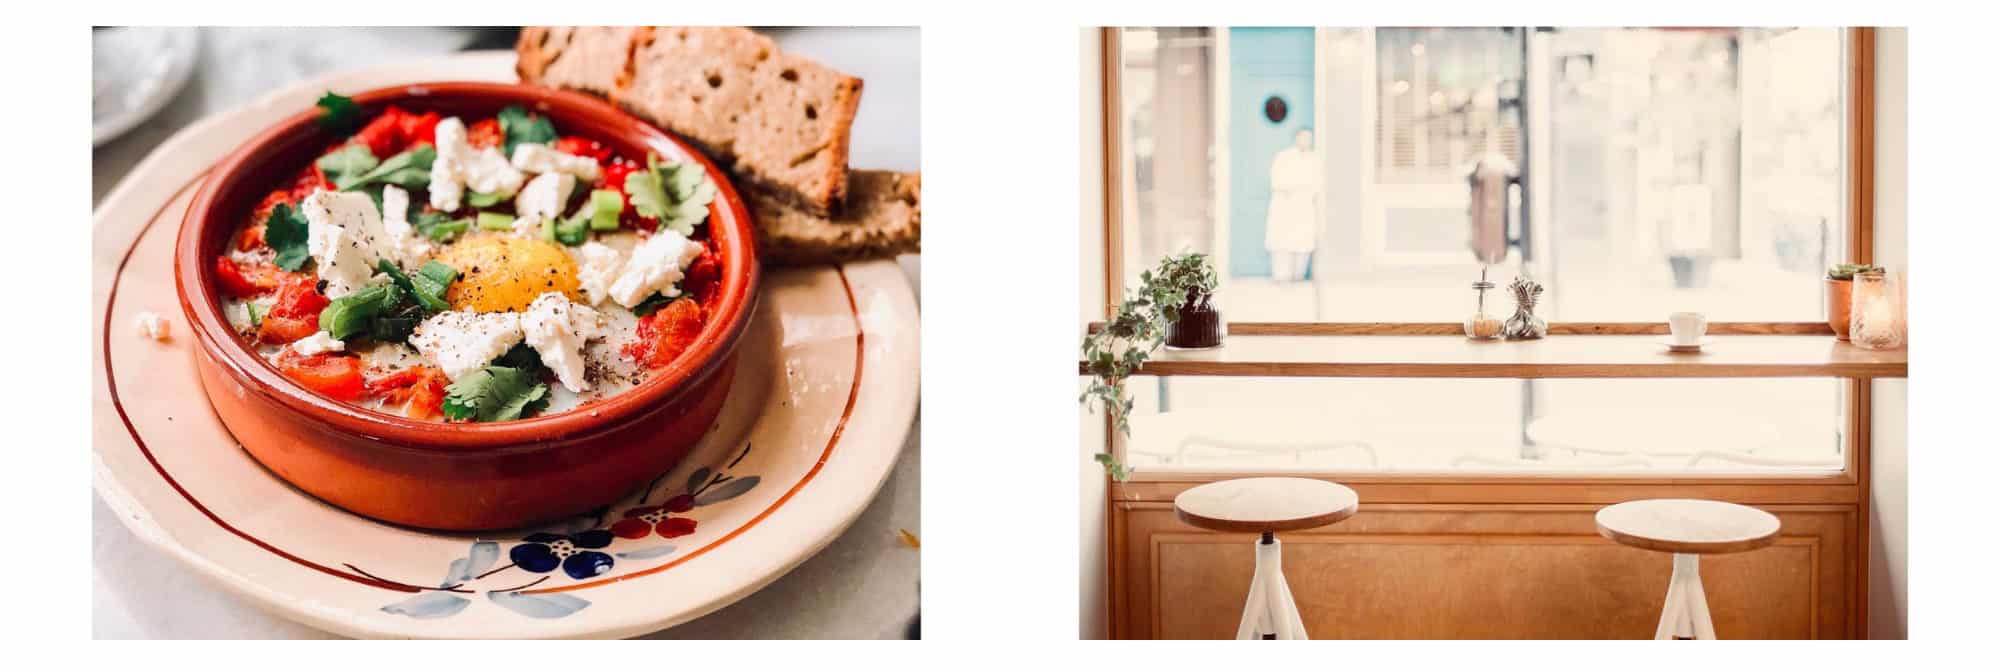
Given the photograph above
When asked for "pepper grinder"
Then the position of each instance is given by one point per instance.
(1524, 325)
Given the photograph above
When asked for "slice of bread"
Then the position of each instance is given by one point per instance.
(883, 217)
(780, 121)
(585, 58)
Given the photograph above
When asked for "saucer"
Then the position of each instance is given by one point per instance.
(1678, 348)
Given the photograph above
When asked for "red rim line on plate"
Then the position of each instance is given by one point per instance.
(111, 381)
(853, 391)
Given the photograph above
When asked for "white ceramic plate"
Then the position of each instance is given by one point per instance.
(824, 397)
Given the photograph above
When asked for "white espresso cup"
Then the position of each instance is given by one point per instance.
(1687, 327)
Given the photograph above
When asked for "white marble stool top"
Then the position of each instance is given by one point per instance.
(1688, 526)
(1265, 504)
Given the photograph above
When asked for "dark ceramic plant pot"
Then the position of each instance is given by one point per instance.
(1199, 326)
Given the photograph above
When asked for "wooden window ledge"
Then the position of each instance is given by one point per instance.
(1556, 356)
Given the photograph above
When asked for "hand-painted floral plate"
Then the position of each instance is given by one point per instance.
(826, 391)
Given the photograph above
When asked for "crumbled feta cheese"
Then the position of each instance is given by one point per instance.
(657, 264)
(542, 199)
(408, 247)
(459, 167)
(597, 266)
(543, 159)
(318, 343)
(557, 328)
(345, 237)
(461, 342)
(154, 326)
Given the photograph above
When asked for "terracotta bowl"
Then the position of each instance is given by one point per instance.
(458, 476)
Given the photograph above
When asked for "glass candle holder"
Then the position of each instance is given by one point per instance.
(1875, 318)
(1482, 326)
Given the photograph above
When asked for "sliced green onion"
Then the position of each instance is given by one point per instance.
(572, 232)
(428, 294)
(438, 271)
(483, 199)
(496, 221)
(256, 311)
(445, 231)
(605, 206)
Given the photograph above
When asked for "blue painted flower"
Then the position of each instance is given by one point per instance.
(575, 553)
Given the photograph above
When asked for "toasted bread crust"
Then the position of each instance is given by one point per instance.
(883, 218)
(587, 58)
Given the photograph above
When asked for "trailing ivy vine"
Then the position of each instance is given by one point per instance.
(1137, 329)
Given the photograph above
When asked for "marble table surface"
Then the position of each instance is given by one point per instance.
(864, 585)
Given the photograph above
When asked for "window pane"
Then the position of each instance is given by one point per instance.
(1325, 169)
(1461, 426)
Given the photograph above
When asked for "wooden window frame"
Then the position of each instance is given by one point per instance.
(1847, 488)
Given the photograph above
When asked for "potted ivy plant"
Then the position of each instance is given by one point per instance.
(1174, 305)
(1184, 288)
(1840, 293)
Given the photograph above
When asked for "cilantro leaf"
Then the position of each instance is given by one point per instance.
(692, 192)
(285, 232)
(518, 127)
(342, 114)
(649, 198)
(522, 357)
(676, 194)
(345, 166)
(495, 393)
(410, 169)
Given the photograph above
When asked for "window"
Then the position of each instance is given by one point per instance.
(1659, 169)
(1326, 172)
(1479, 426)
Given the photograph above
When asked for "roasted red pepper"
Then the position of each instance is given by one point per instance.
(484, 134)
(245, 281)
(295, 314)
(420, 387)
(704, 277)
(576, 145)
(665, 334)
(332, 375)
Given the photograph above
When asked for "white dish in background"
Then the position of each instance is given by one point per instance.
(134, 71)
(825, 395)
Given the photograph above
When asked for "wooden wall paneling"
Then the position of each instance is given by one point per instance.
(1483, 571)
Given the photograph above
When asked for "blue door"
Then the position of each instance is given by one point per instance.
(1264, 63)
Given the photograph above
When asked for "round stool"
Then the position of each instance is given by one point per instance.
(1263, 506)
(1687, 528)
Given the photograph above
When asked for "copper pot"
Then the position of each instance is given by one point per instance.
(1839, 299)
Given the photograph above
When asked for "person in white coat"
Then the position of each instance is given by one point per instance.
(1292, 223)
